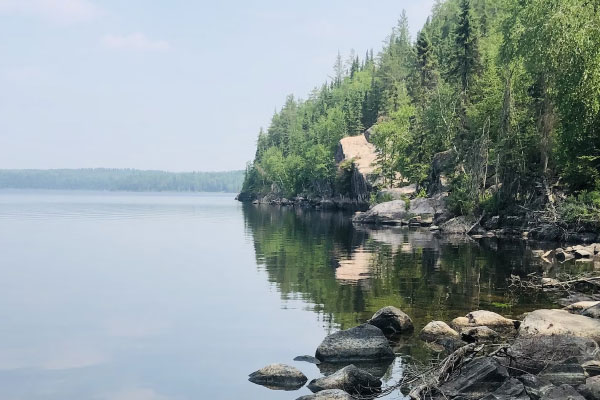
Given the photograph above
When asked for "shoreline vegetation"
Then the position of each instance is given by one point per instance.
(494, 107)
(131, 180)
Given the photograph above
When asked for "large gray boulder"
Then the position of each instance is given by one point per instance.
(279, 376)
(560, 322)
(535, 354)
(592, 312)
(399, 211)
(331, 394)
(362, 343)
(349, 379)
(457, 226)
(476, 379)
(391, 321)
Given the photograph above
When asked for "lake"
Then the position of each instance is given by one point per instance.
(137, 296)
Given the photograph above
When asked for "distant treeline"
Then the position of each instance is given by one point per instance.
(121, 179)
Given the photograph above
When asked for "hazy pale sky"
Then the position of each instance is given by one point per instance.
(172, 84)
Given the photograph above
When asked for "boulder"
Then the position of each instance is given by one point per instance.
(481, 334)
(568, 373)
(591, 368)
(581, 306)
(458, 226)
(591, 389)
(376, 368)
(592, 312)
(534, 385)
(460, 323)
(559, 322)
(401, 211)
(512, 389)
(331, 394)
(279, 376)
(362, 343)
(534, 354)
(485, 318)
(349, 379)
(391, 321)
(436, 330)
(563, 392)
(476, 379)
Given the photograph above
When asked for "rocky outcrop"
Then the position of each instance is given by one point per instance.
(349, 379)
(392, 321)
(362, 343)
(423, 211)
(476, 379)
(332, 394)
(560, 322)
(279, 376)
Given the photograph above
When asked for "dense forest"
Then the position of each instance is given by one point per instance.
(509, 88)
(122, 179)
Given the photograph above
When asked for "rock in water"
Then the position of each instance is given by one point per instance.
(533, 353)
(308, 359)
(436, 330)
(362, 343)
(392, 320)
(560, 322)
(349, 379)
(492, 320)
(332, 394)
(475, 379)
(279, 376)
(481, 334)
(564, 392)
(592, 312)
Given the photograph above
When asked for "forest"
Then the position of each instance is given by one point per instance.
(121, 180)
(509, 88)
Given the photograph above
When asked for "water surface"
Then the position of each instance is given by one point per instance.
(123, 296)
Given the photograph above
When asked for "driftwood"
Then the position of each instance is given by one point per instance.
(534, 282)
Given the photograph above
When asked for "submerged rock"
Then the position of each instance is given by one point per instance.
(559, 322)
(476, 379)
(279, 376)
(391, 321)
(362, 343)
(332, 394)
(436, 330)
(349, 379)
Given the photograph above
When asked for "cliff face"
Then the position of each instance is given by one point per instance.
(363, 155)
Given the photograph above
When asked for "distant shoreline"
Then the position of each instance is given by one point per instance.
(122, 180)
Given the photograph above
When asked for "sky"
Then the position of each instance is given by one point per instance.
(175, 85)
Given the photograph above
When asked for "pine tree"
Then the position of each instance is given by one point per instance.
(467, 59)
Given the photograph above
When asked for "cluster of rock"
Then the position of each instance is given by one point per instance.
(548, 355)
(579, 252)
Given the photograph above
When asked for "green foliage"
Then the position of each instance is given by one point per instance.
(513, 86)
(583, 208)
(122, 180)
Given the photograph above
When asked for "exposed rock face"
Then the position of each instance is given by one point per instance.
(332, 394)
(279, 376)
(533, 354)
(349, 379)
(359, 149)
(436, 330)
(362, 343)
(476, 379)
(560, 322)
(399, 212)
(391, 321)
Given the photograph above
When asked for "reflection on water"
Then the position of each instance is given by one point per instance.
(122, 296)
(345, 273)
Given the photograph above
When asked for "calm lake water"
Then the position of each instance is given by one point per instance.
(121, 296)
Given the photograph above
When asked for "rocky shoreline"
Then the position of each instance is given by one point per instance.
(547, 355)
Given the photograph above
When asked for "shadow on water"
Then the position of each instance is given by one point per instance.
(344, 273)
